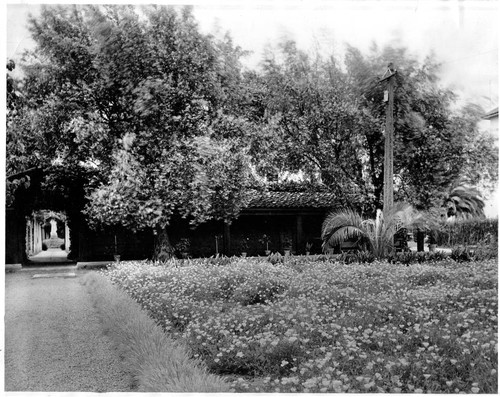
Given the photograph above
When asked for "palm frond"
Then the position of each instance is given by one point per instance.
(342, 234)
(338, 226)
(464, 202)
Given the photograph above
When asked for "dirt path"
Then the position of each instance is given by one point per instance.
(53, 338)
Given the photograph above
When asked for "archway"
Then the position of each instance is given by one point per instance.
(57, 189)
(47, 237)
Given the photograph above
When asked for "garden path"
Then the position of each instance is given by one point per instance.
(53, 338)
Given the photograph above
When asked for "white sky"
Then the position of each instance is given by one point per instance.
(463, 34)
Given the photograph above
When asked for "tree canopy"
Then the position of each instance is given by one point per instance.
(325, 117)
(153, 119)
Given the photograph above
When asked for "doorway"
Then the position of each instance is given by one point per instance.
(47, 237)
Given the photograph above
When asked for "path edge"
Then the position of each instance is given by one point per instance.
(156, 362)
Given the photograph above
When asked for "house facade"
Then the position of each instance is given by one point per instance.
(286, 218)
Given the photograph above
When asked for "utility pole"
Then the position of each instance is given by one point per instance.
(389, 77)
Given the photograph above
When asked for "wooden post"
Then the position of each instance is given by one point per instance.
(389, 141)
(420, 241)
(227, 239)
(299, 231)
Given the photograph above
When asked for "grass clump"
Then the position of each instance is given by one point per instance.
(156, 362)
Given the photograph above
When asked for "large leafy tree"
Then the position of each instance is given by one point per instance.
(311, 122)
(147, 102)
(436, 143)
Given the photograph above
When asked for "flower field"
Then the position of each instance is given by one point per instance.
(322, 326)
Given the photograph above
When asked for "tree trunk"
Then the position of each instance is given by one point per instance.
(163, 250)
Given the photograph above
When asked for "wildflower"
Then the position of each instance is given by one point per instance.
(239, 354)
(475, 390)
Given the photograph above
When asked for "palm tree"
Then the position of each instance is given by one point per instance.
(375, 235)
(464, 202)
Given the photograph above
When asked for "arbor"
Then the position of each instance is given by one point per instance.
(143, 99)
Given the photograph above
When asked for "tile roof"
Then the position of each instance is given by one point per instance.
(275, 199)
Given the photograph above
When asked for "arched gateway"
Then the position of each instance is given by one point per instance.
(52, 214)
(46, 230)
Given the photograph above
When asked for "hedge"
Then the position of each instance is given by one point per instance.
(468, 232)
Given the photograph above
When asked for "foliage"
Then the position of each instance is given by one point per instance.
(176, 156)
(287, 243)
(412, 257)
(324, 122)
(183, 245)
(276, 258)
(376, 236)
(468, 232)
(43, 216)
(142, 98)
(356, 257)
(464, 202)
(330, 327)
(244, 243)
(434, 144)
(478, 253)
(310, 122)
(265, 239)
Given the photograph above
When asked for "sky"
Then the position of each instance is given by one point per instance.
(463, 34)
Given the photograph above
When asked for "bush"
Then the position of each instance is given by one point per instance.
(44, 247)
(468, 232)
(63, 246)
(479, 253)
(357, 257)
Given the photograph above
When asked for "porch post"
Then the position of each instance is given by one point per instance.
(227, 239)
(300, 234)
(67, 241)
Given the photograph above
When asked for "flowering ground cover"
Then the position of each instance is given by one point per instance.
(322, 326)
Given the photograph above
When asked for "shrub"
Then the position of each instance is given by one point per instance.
(468, 232)
(63, 246)
(461, 254)
(276, 258)
(479, 253)
(363, 257)
(44, 247)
